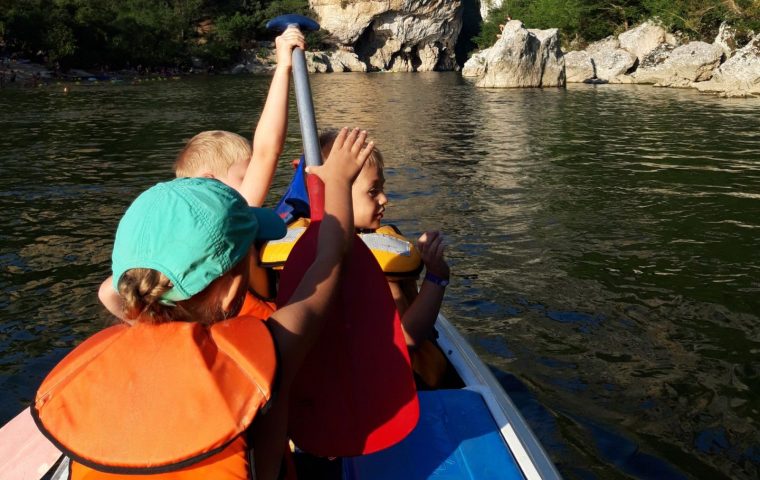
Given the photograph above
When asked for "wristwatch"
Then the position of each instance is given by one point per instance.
(441, 282)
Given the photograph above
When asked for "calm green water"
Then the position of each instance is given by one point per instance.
(605, 242)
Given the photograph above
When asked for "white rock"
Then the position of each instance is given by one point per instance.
(693, 62)
(397, 35)
(521, 58)
(643, 39)
(487, 6)
(344, 61)
(578, 66)
(609, 61)
(317, 62)
(739, 76)
(475, 66)
(726, 39)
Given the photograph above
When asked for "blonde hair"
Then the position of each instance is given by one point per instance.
(327, 138)
(213, 151)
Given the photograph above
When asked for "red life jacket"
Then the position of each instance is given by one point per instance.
(173, 400)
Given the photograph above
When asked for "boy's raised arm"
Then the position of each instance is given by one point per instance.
(269, 137)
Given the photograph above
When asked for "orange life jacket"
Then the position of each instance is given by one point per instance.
(173, 400)
(256, 307)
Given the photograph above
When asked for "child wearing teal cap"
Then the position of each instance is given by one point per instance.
(179, 261)
(229, 158)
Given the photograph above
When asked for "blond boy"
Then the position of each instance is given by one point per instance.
(228, 157)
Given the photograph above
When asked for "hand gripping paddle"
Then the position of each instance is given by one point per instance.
(355, 392)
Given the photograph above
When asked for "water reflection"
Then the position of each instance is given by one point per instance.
(603, 241)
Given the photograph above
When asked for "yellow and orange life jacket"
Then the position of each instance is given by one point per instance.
(397, 256)
(172, 401)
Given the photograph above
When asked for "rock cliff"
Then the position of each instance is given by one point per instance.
(395, 35)
(520, 58)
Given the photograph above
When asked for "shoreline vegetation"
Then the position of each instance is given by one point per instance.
(88, 41)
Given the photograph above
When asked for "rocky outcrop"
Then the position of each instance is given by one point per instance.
(395, 35)
(739, 76)
(643, 39)
(693, 62)
(578, 67)
(487, 6)
(610, 60)
(726, 39)
(344, 61)
(520, 58)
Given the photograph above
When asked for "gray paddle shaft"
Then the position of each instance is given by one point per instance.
(312, 152)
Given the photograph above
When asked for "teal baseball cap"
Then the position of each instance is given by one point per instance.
(193, 230)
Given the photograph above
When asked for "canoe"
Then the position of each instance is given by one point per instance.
(471, 433)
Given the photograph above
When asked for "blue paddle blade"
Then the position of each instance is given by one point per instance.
(281, 23)
(295, 203)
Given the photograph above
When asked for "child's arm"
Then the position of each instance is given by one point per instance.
(419, 319)
(269, 137)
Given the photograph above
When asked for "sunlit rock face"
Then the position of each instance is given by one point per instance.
(520, 58)
(487, 6)
(644, 38)
(693, 62)
(395, 35)
(739, 76)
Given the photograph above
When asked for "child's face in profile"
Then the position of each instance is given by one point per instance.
(369, 198)
(235, 174)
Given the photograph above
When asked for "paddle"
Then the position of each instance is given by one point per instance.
(355, 392)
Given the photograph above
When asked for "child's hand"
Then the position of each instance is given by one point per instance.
(431, 249)
(285, 43)
(346, 158)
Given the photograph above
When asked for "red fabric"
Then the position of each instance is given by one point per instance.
(355, 393)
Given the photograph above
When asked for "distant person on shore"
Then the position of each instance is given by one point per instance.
(13, 76)
(2, 78)
(507, 19)
(229, 158)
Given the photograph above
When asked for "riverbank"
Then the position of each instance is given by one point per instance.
(646, 54)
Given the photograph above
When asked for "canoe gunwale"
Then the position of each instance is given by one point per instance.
(519, 438)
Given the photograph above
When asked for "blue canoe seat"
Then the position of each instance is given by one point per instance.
(456, 439)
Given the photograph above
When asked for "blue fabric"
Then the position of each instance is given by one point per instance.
(295, 203)
(456, 439)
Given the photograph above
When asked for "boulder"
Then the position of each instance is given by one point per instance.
(395, 35)
(609, 60)
(578, 66)
(521, 58)
(656, 57)
(475, 66)
(486, 6)
(551, 57)
(693, 62)
(344, 61)
(317, 62)
(726, 39)
(643, 39)
(739, 76)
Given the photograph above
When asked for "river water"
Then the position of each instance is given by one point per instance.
(604, 241)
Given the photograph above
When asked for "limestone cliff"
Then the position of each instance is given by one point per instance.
(395, 35)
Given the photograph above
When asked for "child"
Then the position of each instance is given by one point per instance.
(418, 309)
(228, 157)
(175, 394)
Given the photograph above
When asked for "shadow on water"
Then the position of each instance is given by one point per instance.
(603, 242)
